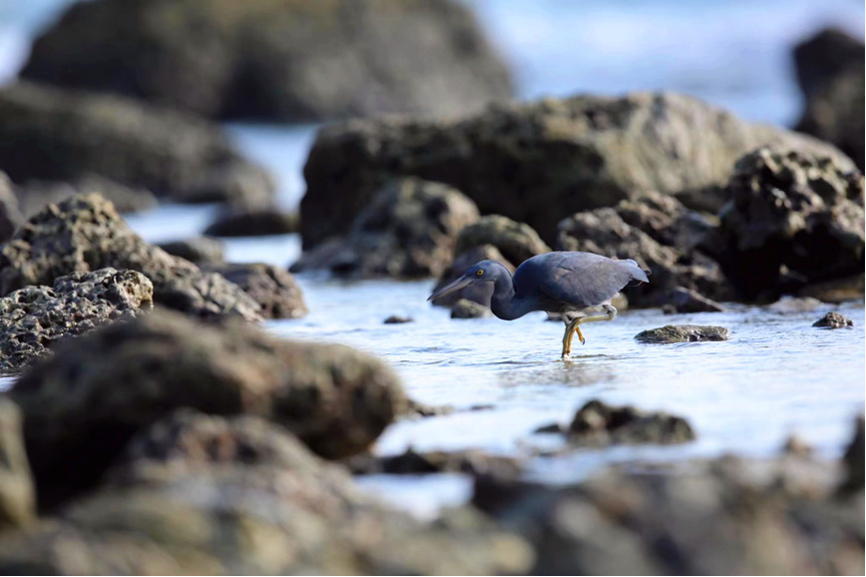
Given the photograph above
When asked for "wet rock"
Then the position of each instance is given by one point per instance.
(683, 334)
(128, 375)
(835, 291)
(538, 162)
(599, 424)
(10, 213)
(34, 318)
(422, 410)
(479, 293)
(17, 497)
(793, 219)
(407, 231)
(254, 223)
(197, 250)
(398, 320)
(788, 304)
(412, 463)
(515, 240)
(274, 288)
(85, 233)
(466, 309)
(834, 320)
(136, 145)
(282, 61)
(683, 300)
(35, 195)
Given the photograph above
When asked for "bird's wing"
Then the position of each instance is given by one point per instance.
(585, 280)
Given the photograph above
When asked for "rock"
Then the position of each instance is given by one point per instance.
(788, 304)
(599, 424)
(274, 288)
(85, 233)
(35, 195)
(466, 309)
(834, 320)
(853, 461)
(262, 222)
(398, 320)
(418, 409)
(139, 146)
(10, 213)
(17, 496)
(411, 463)
(479, 293)
(797, 447)
(515, 240)
(835, 291)
(407, 231)
(281, 61)
(199, 250)
(683, 334)
(538, 162)
(824, 56)
(795, 211)
(683, 300)
(34, 318)
(127, 376)
(664, 218)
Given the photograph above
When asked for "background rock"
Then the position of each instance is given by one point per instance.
(683, 334)
(515, 240)
(466, 309)
(198, 250)
(254, 223)
(10, 213)
(274, 288)
(17, 496)
(683, 300)
(834, 320)
(35, 195)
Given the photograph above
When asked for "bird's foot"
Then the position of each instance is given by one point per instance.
(566, 357)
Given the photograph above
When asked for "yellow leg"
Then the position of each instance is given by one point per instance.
(574, 327)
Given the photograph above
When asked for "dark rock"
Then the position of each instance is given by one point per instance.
(539, 162)
(515, 240)
(128, 375)
(85, 233)
(50, 134)
(17, 496)
(854, 461)
(198, 250)
(479, 293)
(398, 320)
(274, 288)
(35, 195)
(34, 318)
(466, 309)
(835, 291)
(683, 334)
(10, 213)
(683, 300)
(551, 428)
(417, 409)
(411, 463)
(791, 217)
(834, 320)
(407, 231)
(824, 56)
(788, 304)
(286, 61)
(664, 218)
(599, 424)
(254, 223)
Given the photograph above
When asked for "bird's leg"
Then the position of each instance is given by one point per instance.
(608, 315)
(567, 337)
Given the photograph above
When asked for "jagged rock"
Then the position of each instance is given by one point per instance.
(85, 233)
(35, 195)
(34, 318)
(599, 424)
(466, 309)
(834, 320)
(480, 293)
(683, 300)
(17, 496)
(262, 222)
(683, 334)
(274, 288)
(515, 240)
(198, 250)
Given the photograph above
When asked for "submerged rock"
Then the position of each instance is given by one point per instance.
(197, 250)
(17, 495)
(599, 424)
(834, 320)
(274, 288)
(264, 222)
(85, 233)
(683, 334)
(536, 162)
(126, 376)
(515, 240)
(466, 309)
(407, 231)
(289, 61)
(34, 318)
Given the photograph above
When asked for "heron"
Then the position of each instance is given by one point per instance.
(567, 283)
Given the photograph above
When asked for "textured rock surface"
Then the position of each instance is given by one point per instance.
(599, 424)
(274, 288)
(834, 320)
(128, 375)
(479, 293)
(170, 154)
(35, 195)
(290, 60)
(515, 240)
(466, 309)
(683, 334)
(407, 231)
(791, 212)
(17, 496)
(34, 318)
(197, 250)
(262, 222)
(85, 233)
(536, 163)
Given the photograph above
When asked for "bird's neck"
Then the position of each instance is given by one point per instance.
(504, 303)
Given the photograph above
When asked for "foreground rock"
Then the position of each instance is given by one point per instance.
(35, 195)
(274, 288)
(33, 319)
(197, 494)
(170, 154)
(683, 334)
(407, 231)
(515, 240)
(199, 250)
(17, 495)
(286, 61)
(85, 233)
(793, 219)
(539, 162)
(834, 320)
(598, 424)
(126, 376)
(262, 222)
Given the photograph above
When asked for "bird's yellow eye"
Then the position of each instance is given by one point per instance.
(480, 272)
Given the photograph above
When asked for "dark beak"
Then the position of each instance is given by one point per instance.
(460, 283)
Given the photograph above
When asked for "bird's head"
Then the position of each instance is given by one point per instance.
(484, 271)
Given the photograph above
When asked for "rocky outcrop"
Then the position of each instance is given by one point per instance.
(85, 234)
(274, 288)
(171, 154)
(793, 220)
(200, 250)
(262, 222)
(34, 318)
(515, 240)
(598, 424)
(17, 496)
(286, 61)
(407, 231)
(834, 320)
(539, 162)
(683, 334)
(35, 195)
(127, 376)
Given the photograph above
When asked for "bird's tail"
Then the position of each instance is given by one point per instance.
(637, 273)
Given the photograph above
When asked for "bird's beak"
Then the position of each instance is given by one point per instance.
(460, 283)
